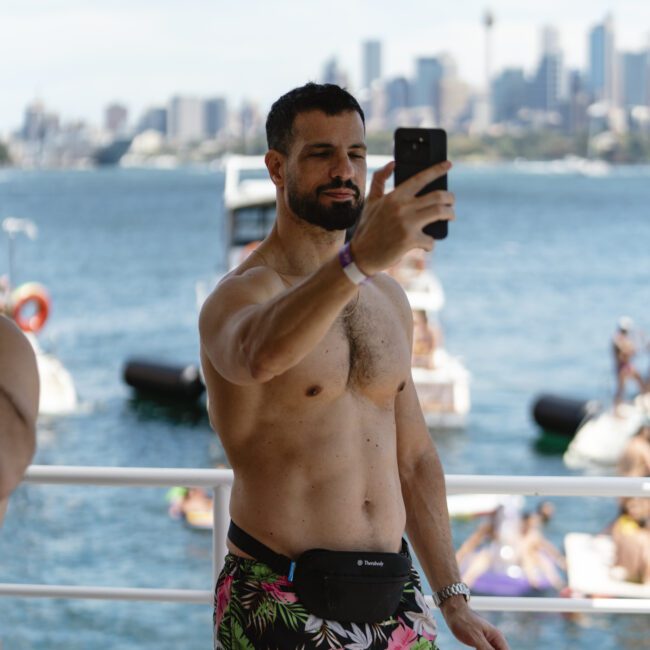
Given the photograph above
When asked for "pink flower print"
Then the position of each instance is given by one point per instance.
(273, 589)
(223, 597)
(402, 638)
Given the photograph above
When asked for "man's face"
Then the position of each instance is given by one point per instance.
(326, 174)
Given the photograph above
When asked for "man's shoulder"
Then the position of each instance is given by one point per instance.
(242, 286)
(392, 289)
(13, 342)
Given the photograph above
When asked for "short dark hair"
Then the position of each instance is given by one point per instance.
(328, 98)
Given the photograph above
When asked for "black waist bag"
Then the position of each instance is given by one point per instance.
(346, 586)
(349, 586)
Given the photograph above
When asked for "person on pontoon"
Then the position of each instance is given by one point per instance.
(540, 559)
(635, 460)
(426, 339)
(631, 535)
(624, 349)
(19, 393)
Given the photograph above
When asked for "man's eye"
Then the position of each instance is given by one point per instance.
(320, 154)
(358, 156)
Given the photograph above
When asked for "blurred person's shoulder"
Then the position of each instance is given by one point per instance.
(18, 369)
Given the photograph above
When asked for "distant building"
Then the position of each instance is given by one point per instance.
(154, 119)
(509, 94)
(216, 116)
(428, 73)
(577, 119)
(185, 120)
(603, 64)
(398, 93)
(116, 118)
(549, 87)
(332, 74)
(371, 63)
(38, 124)
(428, 86)
(453, 101)
(635, 68)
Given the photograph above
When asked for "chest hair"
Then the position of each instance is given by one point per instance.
(364, 342)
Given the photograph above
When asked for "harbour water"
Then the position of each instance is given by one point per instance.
(536, 270)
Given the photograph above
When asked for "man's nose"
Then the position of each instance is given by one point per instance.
(342, 167)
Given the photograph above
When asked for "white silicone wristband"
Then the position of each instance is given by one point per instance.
(354, 273)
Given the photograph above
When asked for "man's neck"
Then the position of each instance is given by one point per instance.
(300, 248)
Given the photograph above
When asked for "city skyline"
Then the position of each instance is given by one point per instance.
(80, 87)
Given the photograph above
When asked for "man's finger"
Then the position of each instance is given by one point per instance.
(414, 184)
(379, 179)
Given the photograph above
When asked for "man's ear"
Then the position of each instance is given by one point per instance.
(275, 164)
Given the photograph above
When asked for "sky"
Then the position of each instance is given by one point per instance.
(80, 55)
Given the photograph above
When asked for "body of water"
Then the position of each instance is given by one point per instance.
(537, 269)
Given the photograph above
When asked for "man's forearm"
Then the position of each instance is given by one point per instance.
(427, 520)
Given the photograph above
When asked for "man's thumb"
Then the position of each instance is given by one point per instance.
(379, 179)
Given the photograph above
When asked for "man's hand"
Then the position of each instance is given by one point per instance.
(391, 224)
(469, 628)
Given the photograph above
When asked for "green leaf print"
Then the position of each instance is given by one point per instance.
(293, 615)
(264, 614)
(262, 573)
(423, 644)
(239, 639)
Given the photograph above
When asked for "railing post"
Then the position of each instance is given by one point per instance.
(221, 505)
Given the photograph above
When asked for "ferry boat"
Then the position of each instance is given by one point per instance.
(441, 380)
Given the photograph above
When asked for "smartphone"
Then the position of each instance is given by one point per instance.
(415, 150)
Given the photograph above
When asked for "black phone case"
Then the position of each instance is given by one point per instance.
(415, 150)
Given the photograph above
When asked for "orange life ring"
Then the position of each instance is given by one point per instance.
(35, 294)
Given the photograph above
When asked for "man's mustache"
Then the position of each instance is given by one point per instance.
(337, 184)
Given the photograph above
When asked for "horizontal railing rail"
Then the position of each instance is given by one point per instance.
(220, 481)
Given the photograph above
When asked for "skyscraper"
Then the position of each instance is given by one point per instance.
(371, 62)
(636, 76)
(603, 63)
(215, 116)
(332, 74)
(550, 85)
(115, 118)
(185, 119)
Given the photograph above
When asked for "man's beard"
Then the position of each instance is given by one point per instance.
(340, 215)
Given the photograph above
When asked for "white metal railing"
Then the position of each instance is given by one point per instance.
(220, 481)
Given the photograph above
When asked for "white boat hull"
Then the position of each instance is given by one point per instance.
(443, 392)
(590, 568)
(601, 441)
(57, 391)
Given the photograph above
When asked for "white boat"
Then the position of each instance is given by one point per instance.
(58, 395)
(249, 201)
(601, 440)
(591, 570)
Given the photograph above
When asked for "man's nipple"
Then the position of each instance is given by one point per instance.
(312, 391)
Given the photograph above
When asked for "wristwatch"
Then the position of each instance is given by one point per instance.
(455, 589)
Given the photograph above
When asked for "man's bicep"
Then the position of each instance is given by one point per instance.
(226, 326)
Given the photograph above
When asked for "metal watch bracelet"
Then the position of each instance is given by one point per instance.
(455, 589)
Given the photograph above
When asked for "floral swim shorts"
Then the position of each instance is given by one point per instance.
(255, 608)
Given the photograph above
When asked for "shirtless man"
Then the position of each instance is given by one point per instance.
(310, 390)
(624, 351)
(18, 408)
